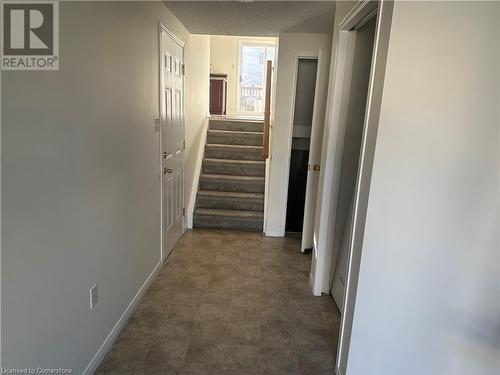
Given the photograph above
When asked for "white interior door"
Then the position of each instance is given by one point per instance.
(339, 276)
(313, 170)
(172, 140)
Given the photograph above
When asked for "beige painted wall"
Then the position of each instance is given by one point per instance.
(224, 59)
(80, 180)
(197, 97)
(289, 44)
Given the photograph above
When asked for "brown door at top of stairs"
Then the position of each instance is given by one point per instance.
(218, 89)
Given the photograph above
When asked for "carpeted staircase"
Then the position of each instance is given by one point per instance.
(231, 189)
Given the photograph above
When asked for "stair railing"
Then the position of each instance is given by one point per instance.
(267, 110)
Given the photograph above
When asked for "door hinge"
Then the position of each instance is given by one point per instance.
(183, 212)
(184, 144)
(183, 69)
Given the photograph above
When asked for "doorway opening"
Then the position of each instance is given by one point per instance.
(301, 142)
(357, 95)
(356, 112)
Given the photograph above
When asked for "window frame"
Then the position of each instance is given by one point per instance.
(267, 43)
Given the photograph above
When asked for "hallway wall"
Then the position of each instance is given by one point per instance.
(431, 253)
(197, 56)
(81, 183)
(224, 59)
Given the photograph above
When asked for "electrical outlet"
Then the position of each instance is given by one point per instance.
(93, 297)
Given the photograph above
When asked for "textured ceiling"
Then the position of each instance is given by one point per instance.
(257, 18)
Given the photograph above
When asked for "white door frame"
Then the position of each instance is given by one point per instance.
(161, 89)
(360, 14)
(250, 42)
(299, 55)
(274, 80)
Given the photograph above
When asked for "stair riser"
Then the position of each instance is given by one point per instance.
(236, 126)
(235, 170)
(232, 153)
(224, 210)
(237, 186)
(230, 203)
(235, 139)
(202, 221)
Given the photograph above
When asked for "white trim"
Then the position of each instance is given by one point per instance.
(314, 265)
(270, 158)
(274, 233)
(115, 331)
(266, 185)
(1, 242)
(160, 145)
(311, 283)
(196, 177)
(298, 55)
(358, 15)
(257, 42)
(174, 37)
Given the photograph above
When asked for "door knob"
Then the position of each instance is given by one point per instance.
(167, 170)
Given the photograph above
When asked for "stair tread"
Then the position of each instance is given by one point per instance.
(235, 132)
(236, 146)
(234, 161)
(246, 121)
(230, 194)
(233, 177)
(230, 213)
(231, 189)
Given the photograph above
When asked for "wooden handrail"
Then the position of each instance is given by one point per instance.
(267, 110)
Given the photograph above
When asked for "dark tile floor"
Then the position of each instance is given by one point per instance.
(229, 302)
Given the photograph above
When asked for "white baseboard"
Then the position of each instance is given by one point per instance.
(115, 331)
(196, 177)
(313, 276)
(272, 233)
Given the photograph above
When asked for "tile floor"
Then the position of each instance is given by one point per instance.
(229, 302)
